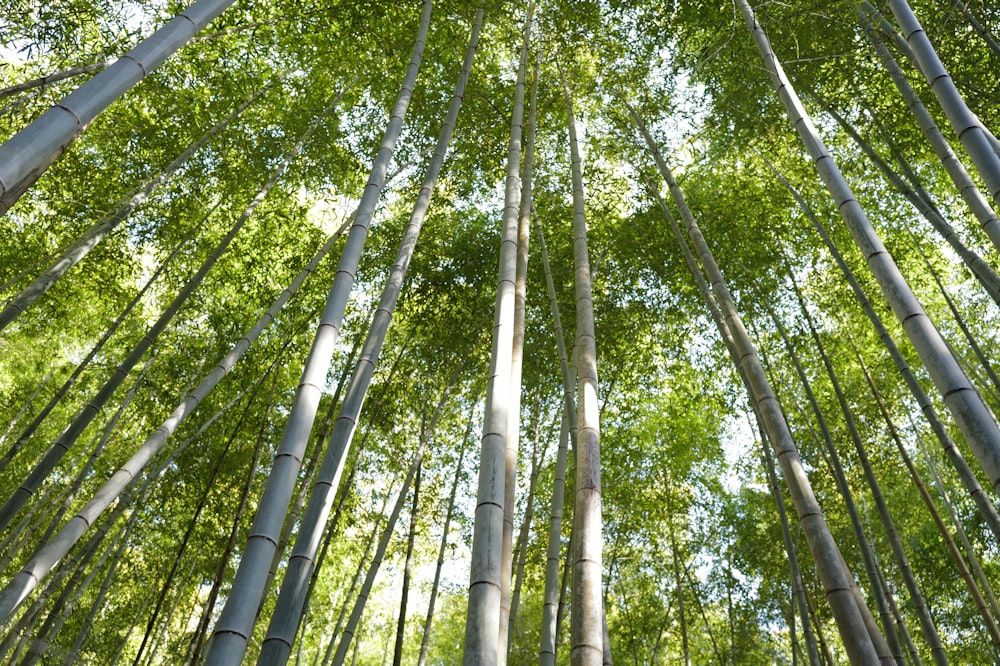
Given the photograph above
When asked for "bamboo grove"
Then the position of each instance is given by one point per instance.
(489, 333)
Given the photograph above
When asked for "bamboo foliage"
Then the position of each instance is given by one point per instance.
(246, 533)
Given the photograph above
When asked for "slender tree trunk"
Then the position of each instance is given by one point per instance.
(84, 417)
(967, 406)
(298, 503)
(963, 570)
(983, 359)
(966, 125)
(97, 232)
(679, 588)
(29, 431)
(505, 635)
(27, 154)
(193, 523)
(970, 552)
(482, 623)
(54, 550)
(837, 580)
(88, 467)
(890, 649)
(397, 654)
(355, 581)
(524, 535)
(980, 269)
(193, 655)
(552, 603)
(586, 621)
(366, 587)
(425, 641)
(798, 590)
(98, 604)
(236, 622)
(284, 622)
(55, 77)
(916, 597)
(978, 27)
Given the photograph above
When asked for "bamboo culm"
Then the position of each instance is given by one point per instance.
(86, 415)
(26, 155)
(956, 555)
(883, 596)
(425, 640)
(837, 581)
(482, 620)
(514, 401)
(353, 621)
(549, 644)
(587, 618)
(968, 190)
(29, 431)
(970, 130)
(235, 624)
(284, 622)
(798, 591)
(902, 562)
(968, 477)
(980, 269)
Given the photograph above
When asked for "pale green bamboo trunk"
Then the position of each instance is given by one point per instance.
(971, 132)
(837, 581)
(482, 622)
(970, 193)
(587, 618)
(236, 622)
(505, 635)
(968, 477)
(284, 622)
